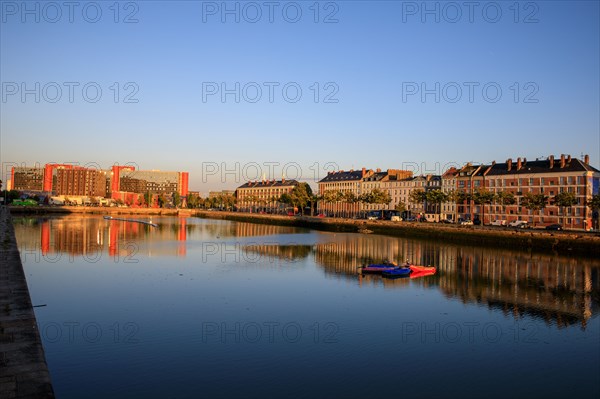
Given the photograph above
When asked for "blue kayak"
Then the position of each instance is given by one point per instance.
(397, 272)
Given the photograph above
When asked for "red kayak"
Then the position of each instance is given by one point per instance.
(421, 271)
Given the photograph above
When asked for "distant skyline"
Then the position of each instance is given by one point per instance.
(383, 85)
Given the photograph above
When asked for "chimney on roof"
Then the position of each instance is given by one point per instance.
(364, 172)
(493, 162)
(519, 165)
(568, 159)
(378, 170)
(551, 159)
(509, 162)
(562, 160)
(586, 159)
(351, 170)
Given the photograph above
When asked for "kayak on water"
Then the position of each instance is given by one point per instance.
(397, 272)
(378, 268)
(421, 271)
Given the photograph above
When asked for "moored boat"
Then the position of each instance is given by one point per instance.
(397, 272)
(421, 271)
(377, 268)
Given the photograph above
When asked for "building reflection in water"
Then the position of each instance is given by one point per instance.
(268, 252)
(560, 290)
(91, 236)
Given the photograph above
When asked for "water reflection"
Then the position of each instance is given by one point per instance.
(91, 235)
(289, 253)
(560, 290)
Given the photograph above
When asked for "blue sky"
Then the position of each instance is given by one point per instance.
(369, 67)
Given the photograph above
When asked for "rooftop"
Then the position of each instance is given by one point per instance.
(343, 175)
(549, 165)
(269, 183)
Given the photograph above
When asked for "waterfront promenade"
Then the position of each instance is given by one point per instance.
(23, 369)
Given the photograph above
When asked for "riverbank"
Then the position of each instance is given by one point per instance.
(23, 369)
(560, 242)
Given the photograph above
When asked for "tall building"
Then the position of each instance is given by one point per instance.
(50, 173)
(27, 178)
(129, 184)
(80, 182)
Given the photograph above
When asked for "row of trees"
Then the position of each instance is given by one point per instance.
(300, 197)
(351, 200)
(531, 201)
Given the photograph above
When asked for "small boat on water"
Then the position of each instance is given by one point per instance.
(391, 270)
(421, 271)
(397, 272)
(377, 268)
(146, 222)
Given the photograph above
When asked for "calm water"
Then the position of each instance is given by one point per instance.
(207, 308)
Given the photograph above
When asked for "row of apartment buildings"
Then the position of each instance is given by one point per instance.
(123, 183)
(549, 176)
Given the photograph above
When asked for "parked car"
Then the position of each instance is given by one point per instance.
(498, 222)
(467, 222)
(477, 222)
(395, 218)
(519, 223)
(410, 219)
(555, 226)
(447, 221)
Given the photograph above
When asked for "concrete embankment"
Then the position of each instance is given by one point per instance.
(23, 369)
(561, 242)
